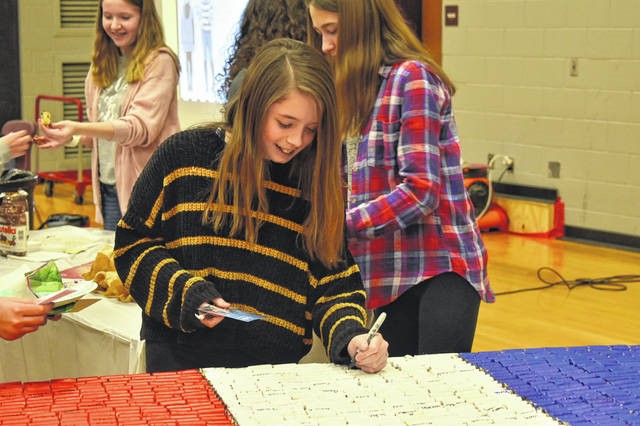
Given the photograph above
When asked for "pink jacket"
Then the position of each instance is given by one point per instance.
(149, 115)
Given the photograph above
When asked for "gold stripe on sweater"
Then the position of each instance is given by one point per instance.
(353, 270)
(191, 281)
(165, 308)
(239, 244)
(335, 325)
(183, 207)
(287, 190)
(154, 210)
(265, 217)
(241, 276)
(136, 264)
(122, 224)
(152, 282)
(119, 252)
(325, 299)
(277, 220)
(212, 174)
(338, 306)
(279, 322)
(189, 171)
(286, 325)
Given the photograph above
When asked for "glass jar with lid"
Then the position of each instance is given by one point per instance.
(14, 222)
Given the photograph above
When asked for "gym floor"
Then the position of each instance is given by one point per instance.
(555, 316)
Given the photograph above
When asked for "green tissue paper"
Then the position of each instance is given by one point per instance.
(44, 280)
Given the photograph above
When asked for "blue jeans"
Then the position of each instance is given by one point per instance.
(111, 214)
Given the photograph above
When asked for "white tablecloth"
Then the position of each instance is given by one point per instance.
(102, 339)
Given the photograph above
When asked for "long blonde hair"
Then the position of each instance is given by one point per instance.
(104, 62)
(279, 67)
(371, 33)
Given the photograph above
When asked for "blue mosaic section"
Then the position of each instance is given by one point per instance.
(591, 385)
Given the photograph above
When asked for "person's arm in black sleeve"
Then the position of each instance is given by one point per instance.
(339, 311)
(143, 257)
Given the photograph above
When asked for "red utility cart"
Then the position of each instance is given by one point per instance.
(81, 178)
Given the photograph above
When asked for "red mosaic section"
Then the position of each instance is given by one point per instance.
(175, 398)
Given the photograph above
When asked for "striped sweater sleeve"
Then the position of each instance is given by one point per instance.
(338, 311)
(164, 290)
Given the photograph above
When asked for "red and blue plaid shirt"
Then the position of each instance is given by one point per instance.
(409, 216)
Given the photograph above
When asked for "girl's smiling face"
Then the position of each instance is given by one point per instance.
(290, 126)
(121, 22)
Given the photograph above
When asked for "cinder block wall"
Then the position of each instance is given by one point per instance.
(44, 48)
(512, 62)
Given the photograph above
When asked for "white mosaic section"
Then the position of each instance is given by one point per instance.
(421, 390)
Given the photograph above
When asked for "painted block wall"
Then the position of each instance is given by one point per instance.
(511, 62)
(44, 47)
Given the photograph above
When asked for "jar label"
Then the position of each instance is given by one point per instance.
(13, 239)
(14, 223)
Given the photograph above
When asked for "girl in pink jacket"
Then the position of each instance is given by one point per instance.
(131, 101)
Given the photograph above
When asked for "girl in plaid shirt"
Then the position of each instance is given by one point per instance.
(410, 221)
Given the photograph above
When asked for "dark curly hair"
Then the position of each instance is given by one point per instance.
(263, 21)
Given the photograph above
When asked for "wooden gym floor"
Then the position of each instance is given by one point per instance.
(551, 317)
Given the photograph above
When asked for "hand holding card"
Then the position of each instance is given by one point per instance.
(53, 297)
(47, 286)
(234, 313)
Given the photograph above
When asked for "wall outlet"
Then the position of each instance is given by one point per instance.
(501, 162)
(508, 163)
(554, 169)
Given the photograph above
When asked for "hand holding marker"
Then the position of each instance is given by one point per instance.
(372, 332)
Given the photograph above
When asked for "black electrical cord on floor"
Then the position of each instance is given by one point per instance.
(611, 283)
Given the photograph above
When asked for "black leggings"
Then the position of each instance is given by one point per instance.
(438, 315)
(183, 354)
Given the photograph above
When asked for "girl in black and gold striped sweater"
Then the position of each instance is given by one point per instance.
(254, 223)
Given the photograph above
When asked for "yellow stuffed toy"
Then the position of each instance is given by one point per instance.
(103, 272)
